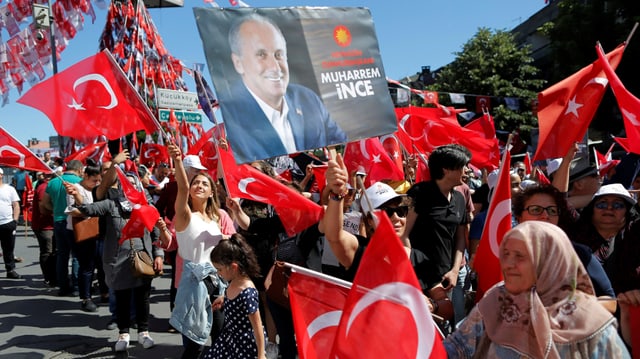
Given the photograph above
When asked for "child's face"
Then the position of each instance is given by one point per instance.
(224, 271)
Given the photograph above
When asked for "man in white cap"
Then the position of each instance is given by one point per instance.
(9, 215)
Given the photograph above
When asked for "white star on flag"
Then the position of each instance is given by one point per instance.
(573, 107)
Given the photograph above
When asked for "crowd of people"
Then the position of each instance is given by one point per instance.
(570, 264)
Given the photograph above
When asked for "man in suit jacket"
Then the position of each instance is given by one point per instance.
(265, 115)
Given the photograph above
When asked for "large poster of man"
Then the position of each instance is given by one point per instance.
(294, 79)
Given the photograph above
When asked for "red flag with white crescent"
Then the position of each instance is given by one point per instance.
(316, 304)
(91, 98)
(370, 155)
(15, 154)
(629, 104)
(95, 151)
(296, 212)
(498, 222)
(566, 109)
(143, 215)
(153, 153)
(385, 287)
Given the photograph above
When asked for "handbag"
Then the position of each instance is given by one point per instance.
(141, 262)
(85, 228)
(277, 290)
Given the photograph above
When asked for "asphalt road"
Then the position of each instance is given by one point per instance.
(35, 323)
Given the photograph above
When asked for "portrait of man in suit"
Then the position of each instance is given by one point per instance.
(265, 115)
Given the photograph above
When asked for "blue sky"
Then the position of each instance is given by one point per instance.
(411, 34)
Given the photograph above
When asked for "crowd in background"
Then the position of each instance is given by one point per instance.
(223, 251)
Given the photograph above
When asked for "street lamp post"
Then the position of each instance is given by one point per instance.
(44, 20)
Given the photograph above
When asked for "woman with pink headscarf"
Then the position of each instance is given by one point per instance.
(545, 308)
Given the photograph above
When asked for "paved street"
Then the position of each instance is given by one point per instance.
(35, 323)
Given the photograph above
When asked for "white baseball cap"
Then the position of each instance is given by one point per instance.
(193, 161)
(378, 193)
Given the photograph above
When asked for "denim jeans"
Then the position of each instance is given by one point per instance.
(8, 244)
(64, 240)
(85, 252)
(457, 296)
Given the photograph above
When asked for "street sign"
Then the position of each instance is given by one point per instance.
(177, 100)
(41, 16)
(189, 116)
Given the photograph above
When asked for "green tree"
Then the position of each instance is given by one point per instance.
(491, 64)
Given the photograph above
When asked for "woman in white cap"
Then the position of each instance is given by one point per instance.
(609, 226)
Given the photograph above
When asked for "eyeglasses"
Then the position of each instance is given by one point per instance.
(401, 211)
(613, 205)
(537, 210)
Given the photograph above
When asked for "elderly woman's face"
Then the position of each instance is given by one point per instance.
(517, 268)
(609, 213)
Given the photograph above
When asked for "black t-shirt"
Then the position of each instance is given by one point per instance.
(419, 261)
(435, 227)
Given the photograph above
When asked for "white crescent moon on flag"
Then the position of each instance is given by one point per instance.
(14, 151)
(404, 119)
(242, 186)
(363, 149)
(502, 211)
(326, 320)
(630, 116)
(99, 78)
(150, 152)
(411, 297)
(598, 81)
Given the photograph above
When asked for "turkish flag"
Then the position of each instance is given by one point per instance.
(153, 153)
(386, 311)
(391, 144)
(422, 169)
(95, 151)
(143, 215)
(427, 133)
(370, 154)
(498, 222)
(566, 108)
(295, 211)
(540, 177)
(628, 103)
(91, 98)
(483, 104)
(528, 168)
(431, 97)
(319, 173)
(15, 154)
(484, 125)
(316, 304)
(27, 198)
(205, 149)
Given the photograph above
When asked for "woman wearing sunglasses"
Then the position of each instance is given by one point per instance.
(348, 248)
(609, 226)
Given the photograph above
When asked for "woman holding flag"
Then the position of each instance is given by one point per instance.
(114, 205)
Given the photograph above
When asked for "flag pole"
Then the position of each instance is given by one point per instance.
(635, 26)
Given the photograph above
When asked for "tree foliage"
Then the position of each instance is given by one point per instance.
(491, 64)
